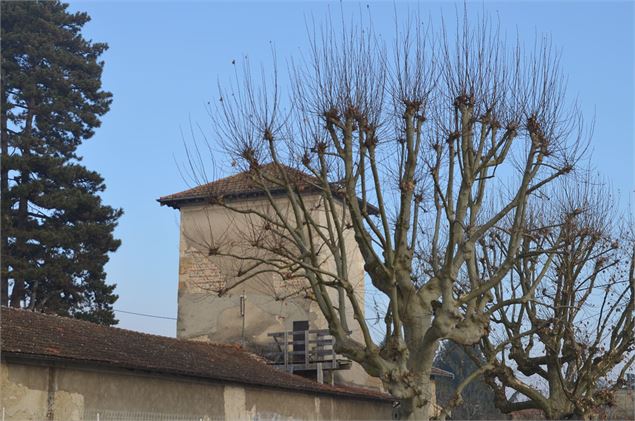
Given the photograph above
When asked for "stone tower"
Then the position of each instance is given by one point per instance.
(249, 312)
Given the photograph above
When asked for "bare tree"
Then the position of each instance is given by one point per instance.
(416, 150)
(578, 304)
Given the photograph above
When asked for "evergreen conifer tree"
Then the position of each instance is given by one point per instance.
(56, 233)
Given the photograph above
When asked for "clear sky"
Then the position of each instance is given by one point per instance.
(165, 59)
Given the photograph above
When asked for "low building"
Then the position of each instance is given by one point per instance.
(58, 368)
(623, 406)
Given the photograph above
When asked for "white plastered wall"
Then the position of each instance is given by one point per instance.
(205, 315)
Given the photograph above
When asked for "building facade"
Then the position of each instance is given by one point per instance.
(248, 312)
(55, 368)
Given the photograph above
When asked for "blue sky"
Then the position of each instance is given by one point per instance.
(165, 59)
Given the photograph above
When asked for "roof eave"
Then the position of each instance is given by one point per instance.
(439, 372)
(177, 203)
(46, 359)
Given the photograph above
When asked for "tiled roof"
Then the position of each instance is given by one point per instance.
(27, 334)
(243, 185)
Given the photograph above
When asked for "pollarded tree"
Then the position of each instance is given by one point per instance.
(56, 232)
(417, 152)
(578, 306)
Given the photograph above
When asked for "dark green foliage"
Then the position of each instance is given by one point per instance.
(56, 233)
(478, 398)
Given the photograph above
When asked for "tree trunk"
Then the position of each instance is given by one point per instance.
(418, 407)
(18, 292)
(21, 223)
(4, 206)
(561, 410)
(408, 410)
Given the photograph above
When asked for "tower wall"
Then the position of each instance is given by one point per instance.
(204, 315)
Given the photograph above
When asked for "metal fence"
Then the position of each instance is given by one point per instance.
(305, 350)
(95, 415)
(109, 415)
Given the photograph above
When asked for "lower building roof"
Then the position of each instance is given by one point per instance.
(37, 336)
(46, 337)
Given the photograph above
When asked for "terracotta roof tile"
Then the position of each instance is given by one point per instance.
(32, 335)
(242, 184)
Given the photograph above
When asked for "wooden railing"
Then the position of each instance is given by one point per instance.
(306, 350)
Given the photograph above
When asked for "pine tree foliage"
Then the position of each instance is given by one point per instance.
(56, 232)
(478, 398)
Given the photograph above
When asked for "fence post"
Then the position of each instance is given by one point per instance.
(334, 360)
(286, 350)
(306, 349)
(318, 347)
(320, 373)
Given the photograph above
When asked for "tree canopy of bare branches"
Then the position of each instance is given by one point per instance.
(418, 149)
(578, 307)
